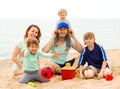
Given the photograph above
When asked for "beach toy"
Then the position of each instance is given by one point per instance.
(77, 73)
(47, 72)
(109, 77)
(32, 84)
(67, 65)
(67, 72)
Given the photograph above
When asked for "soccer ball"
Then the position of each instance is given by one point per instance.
(47, 72)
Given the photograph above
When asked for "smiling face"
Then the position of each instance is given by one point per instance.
(33, 32)
(62, 13)
(32, 45)
(89, 41)
(62, 16)
(62, 32)
(33, 48)
(89, 38)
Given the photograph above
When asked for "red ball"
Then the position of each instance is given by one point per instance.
(47, 72)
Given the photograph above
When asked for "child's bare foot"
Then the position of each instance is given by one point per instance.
(13, 76)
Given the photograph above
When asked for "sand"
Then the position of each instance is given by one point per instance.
(6, 82)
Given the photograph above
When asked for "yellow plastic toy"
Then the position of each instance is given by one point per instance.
(77, 73)
(68, 65)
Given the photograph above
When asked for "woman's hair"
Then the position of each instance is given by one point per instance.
(32, 41)
(62, 11)
(88, 35)
(39, 32)
(57, 38)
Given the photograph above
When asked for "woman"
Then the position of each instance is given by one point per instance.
(61, 33)
(33, 31)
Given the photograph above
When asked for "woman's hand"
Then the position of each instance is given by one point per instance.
(71, 32)
(21, 53)
(54, 33)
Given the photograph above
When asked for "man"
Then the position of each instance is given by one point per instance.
(61, 32)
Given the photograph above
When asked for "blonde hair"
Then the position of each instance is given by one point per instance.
(62, 11)
(88, 35)
(32, 41)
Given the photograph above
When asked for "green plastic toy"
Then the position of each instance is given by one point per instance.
(32, 84)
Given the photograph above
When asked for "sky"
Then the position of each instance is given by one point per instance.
(48, 9)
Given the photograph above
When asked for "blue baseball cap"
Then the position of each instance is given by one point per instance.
(62, 24)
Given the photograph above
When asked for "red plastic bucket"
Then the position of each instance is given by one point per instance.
(109, 77)
(67, 73)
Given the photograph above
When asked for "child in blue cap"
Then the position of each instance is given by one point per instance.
(62, 13)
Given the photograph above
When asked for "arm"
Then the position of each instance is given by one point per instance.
(81, 70)
(81, 62)
(77, 46)
(47, 47)
(104, 63)
(100, 75)
(14, 57)
(54, 55)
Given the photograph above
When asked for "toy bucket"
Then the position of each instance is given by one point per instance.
(67, 73)
(109, 77)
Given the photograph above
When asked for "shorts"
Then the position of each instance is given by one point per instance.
(70, 61)
(96, 70)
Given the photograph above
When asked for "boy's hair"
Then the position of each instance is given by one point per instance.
(88, 35)
(62, 11)
(32, 41)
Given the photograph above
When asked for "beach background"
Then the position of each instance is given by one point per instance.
(107, 33)
(6, 82)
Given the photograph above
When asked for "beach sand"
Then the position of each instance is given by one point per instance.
(6, 82)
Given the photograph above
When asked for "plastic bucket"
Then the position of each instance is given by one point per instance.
(109, 77)
(67, 73)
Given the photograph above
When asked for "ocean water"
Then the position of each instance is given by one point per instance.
(107, 32)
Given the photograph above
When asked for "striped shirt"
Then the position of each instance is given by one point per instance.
(93, 57)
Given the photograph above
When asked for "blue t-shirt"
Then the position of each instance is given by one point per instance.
(93, 57)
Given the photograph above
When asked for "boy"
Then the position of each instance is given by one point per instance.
(95, 56)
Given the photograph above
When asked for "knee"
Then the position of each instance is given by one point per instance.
(18, 72)
(89, 73)
(107, 72)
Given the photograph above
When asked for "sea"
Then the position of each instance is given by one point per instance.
(107, 32)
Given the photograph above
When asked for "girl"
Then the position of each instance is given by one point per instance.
(30, 62)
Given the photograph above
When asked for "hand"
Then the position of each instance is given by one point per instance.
(100, 75)
(21, 53)
(54, 33)
(71, 32)
(56, 54)
(81, 76)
